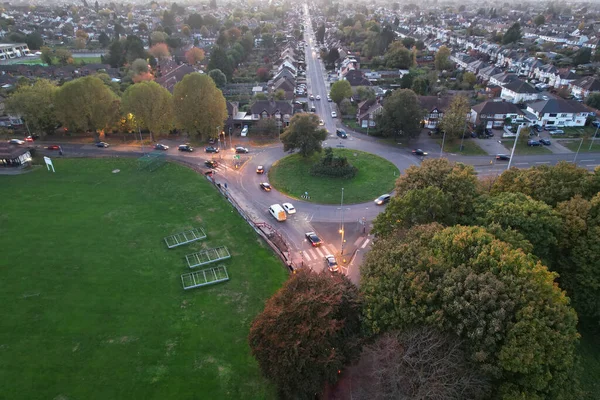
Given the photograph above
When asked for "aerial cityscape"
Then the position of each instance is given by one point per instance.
(300, 200)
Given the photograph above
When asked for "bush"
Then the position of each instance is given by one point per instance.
(333, 167)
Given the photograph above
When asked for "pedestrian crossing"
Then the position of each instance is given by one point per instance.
(317, 253)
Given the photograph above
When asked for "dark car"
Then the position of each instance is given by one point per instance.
(186, 147)
(260, 169)
(102, 144)
(550, 128)
(242, 150)
(211, 149)
(502, 157)
(313, 239)
(341, 133)
(211, 164)
(53, 147)
(160, 146)
(384, 198)
(596, 123)
(212, 141)
(419, 152)
(534, 143)
(488, 132)
(537, 128)
(265, 186)
(331, 263)
(473, 134)
(545, 142)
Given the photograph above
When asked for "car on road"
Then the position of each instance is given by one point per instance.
(241, 150)
(557, 132)
(545, 142)
(341, 133)
(160, 146)
(318, 97)
(381, 200)
(186, 147)
(313, 239)
(211, 164)
(333, 114)
(596, 123)
(16, 141)
(321, 122)
(419, 152)
(331, 263)
(311, 97)
(260, 169)
(533, 143)
(102, 144)
(30, 139)
(212, 140)
(289, 208)
(53, 147)
(329, 99)
(265, 186)
(502, 157)
(211, 149)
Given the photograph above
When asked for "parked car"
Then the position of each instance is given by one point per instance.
(381, 200)
(331, 263)
(550, 128)
(211, 149)
(244, 130)
(419, 152)
(502, 157)
(289, 208)
(211, 164)
(186, 147)
(260, 169)
(102, 144)
(537, 128)
(545, 142)
(533, 143)
(241, 150)
(596, 123)
(313, 239)
(16, 141)
(317, 97)
(557, 132)
(341, 133)
(160, 146)
(53, 147)
(333, 114)
(329, 99)
(321, 122)
(265, 186)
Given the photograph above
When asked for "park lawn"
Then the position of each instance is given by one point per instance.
(470, 148)
(523, 149)
(376, 176)
(574, 145)
(91, 299)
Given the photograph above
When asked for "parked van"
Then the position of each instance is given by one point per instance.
(277, 212)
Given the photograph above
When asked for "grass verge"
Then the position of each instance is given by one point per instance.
(573, 145)
(91, 298)
(470, 148)
(523, 149)
(376, 176)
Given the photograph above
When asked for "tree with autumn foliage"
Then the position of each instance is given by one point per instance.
(194, 55)
(160, 51)
(199, 106)
(454, 121)
(308, 331)
(518, 327)
(151, 106)
(262, 74)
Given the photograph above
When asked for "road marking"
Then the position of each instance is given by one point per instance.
(309, 254)
(365, 243)
(587, 160)
(319, 252)
(521, 163)
(592, 165)
(542, 162)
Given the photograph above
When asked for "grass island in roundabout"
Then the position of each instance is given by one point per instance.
(376, 176)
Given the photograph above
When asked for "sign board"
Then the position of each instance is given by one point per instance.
(237, 157)
(49, 164)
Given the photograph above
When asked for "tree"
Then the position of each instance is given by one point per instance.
(186, 31)
(151, 106)
(365, 93)
(116, 54)
(470, 79)
(398, 57)
(86, 104)
(401, 114)
(195, 21)
(513, 34)
(419, 363)
(266, 126)
(262, 74)
(539, 20)
(103, 39)
(47, 56)
(34, 41)
(64, 56)
(303, 134)
(340, 90)
(35, 104)
(454, 121)
(204, 32)
(442, 59)
(133, 49)
(408, 42)
(194, 55)
(218, 77)
(593, 100)
(582, 56)
(199, 106)
(80, 43)
(160, 51)
(158, 37)
(139, 66)
(517, 325)
(308, 331)
(219, 60)
(143, 27)
(320, 34)
(332, 56)
(247, 42)
(279, 95)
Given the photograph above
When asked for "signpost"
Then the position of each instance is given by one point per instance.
(49, 164)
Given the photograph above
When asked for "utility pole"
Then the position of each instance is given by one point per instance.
(230, 142)
(342, 223)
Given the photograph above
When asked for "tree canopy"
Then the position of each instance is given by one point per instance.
(401, 114)
(442, 59)
(340, 90)
(454, 121)
(35, 103)
(218, 77)
(308, 331)
(513, 34)
(303, 134)
(219, 60)
(151, 106)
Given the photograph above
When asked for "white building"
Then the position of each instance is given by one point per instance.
(559, 112)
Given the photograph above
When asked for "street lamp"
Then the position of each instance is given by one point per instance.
(230, 142)
(514, 146)
(576, 154)
(594, 138)
(443, 140)
(463, 136)
(342, 223)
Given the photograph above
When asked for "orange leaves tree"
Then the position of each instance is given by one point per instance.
(309, 330)
(194, 55)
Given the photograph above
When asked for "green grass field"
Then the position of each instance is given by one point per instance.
(574, 145)
(76, 60)
(91, 299)
(470, 148)
(522, 148)
(376, 176)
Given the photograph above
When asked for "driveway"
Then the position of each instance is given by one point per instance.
(491, 146)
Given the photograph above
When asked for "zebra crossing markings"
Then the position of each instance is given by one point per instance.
(315, 253)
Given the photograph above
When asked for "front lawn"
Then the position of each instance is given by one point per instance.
(523, 149)
(376, 176)
(470, 148)
(91, 299)
(573, 145)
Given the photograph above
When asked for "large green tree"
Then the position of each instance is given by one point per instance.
(401, 115)
(454, 121)
(303, 134)
(199, 106)
(442, 59)
(219, 60)
(35, 103)
(340, 90)
(86, 104)
(151, 106)
(308, 331)
(218, 77)
(398, 57)
(517, 324)
(513, 34)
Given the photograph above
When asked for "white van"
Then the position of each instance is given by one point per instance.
(277, 212)
(244, 131)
